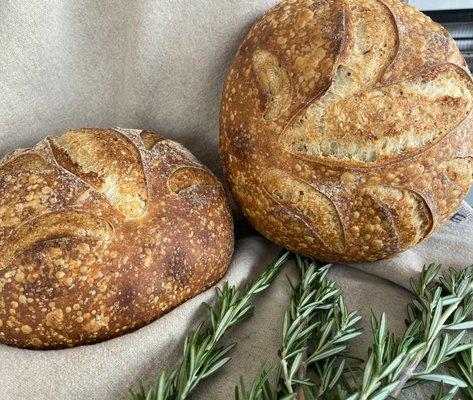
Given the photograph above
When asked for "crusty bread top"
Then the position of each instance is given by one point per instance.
(102, 231)
(356, 105)
(344, 91)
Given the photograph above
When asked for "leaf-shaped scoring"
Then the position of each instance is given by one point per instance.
(314, 207)
(187, 177)
(55, 226)
(110, 163)
(410, 214)
(357, 119)
(274, 82)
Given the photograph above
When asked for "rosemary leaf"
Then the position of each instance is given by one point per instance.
(464, 369)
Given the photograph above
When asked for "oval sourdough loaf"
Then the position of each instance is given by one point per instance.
(101, 232)
(346, 127)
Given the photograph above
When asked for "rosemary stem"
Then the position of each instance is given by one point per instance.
(408, 373)
(422, 353)
(301, 375)
(285, 372)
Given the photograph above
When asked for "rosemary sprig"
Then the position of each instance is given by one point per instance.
(311, 340)
(313, 293)
(393, 364)
(316, 329)
(202, 354)
(329, 343)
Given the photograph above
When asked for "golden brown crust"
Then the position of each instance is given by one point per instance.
(347, 127)
(101, 232)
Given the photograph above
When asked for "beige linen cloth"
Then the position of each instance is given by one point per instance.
(160, 65)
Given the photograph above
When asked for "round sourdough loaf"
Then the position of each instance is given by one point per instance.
(346, 127)
(101, 232)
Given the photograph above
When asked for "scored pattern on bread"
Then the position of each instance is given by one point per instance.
(409, 212)
(55, 226)
(92, 156)
(186, 177)
(314, 207)
(377, 118)
(415, 113)
(94, 241)
(341, 124)
(274, 82)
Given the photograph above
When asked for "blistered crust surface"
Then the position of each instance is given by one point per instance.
(103, 231)
(346, 127)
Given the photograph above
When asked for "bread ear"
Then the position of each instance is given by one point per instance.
(91, 155)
